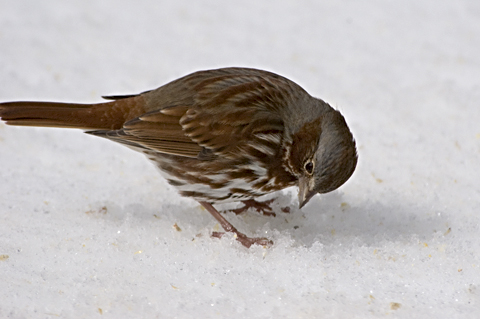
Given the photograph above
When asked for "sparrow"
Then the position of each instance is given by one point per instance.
(223, 135)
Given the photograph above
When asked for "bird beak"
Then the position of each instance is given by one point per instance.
(304, 192)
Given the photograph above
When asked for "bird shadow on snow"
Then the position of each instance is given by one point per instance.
(330, 219)
(327, 219)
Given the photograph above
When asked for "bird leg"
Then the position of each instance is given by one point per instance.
(242, 238)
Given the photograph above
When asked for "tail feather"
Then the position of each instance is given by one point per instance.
(49, 114)
(102, 116)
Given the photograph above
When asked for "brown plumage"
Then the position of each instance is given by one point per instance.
(219, 135)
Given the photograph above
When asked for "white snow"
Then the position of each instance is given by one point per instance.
(87, 227)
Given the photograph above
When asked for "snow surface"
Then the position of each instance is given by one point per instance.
(87, 226)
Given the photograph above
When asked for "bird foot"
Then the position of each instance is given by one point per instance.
(261, 207)
(245, 240)
(241, 237)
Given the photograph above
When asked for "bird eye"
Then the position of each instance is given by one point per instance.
(309, 167)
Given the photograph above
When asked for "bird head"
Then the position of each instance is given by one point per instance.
(323, 154)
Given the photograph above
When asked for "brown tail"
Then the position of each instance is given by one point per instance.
(102, 116)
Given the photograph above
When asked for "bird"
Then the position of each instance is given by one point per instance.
(221, 135)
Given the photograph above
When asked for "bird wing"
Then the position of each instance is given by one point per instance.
(231, 111)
